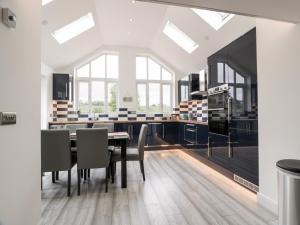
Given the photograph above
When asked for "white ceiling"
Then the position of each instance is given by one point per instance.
(285, 10)
(113, 27)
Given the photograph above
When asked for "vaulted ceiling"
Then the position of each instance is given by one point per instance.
(134, 23)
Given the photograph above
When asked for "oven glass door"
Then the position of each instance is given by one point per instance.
(218, 122)
(217, 101)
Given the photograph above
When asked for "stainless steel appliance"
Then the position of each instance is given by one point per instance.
(219, 109)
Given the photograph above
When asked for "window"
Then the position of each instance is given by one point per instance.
(74, 29)
(97, 86)
(214, 19)
(180, 38)
(154, 86)
(45, 2)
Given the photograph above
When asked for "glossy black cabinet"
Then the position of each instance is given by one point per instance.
(171, 132)
(62, 87)
(153, 134)
(219, 150)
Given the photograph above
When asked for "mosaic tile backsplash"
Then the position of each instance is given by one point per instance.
(63, 111)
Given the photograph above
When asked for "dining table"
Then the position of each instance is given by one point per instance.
(116, 139)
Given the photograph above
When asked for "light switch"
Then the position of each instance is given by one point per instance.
(7, 118)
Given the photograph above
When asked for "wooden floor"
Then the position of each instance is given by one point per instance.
(178, 190)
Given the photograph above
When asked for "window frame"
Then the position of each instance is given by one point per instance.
(91, 79)
(160, 82)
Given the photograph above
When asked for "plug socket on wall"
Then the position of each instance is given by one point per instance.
(8, 118)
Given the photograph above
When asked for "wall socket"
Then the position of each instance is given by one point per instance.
(7, 118)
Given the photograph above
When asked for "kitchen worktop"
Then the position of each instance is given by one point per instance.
(128, 121)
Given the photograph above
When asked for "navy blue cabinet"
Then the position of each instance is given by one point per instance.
(153, 134)
(219, 149)
(62, 87)
(171, 132)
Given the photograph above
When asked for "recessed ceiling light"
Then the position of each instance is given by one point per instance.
(180, 38)
(73, 29)
(133, 1)
(45, 2)
(131, 19)
(214, 19)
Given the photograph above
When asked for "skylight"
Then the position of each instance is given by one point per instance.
(180, 38)
(214, 19)
(45, 2)
(73, 29)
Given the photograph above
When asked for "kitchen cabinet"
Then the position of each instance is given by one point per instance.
(219, 150)
(62, 87)
(244, 156)
(153, 134)
(171, 132)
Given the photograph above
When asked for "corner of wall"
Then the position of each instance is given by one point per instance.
(267, 203)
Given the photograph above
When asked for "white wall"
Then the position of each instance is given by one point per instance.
(278, 52)
(127, 81)
(20, 81)
(46, 94)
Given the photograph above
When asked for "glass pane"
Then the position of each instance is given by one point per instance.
(112, 96)
(142, 97)
(239, 79)
(231, 91)
(166, 75)
(98, 67)
(184, 92)
(98, 97)
(141, 68)
(153, 70)
(83, 97)
(84, 71)
(154, 97)
(166, 100)
(239, 94)
(112, 66)
(220, 73)
(229, 74)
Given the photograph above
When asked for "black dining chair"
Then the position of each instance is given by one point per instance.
(133, 154)
(92, 152)
(56, 154)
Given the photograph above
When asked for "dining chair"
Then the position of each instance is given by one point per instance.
(133, 154)
(56, 154)
(110, 128)
(73, 127)
(92, 152)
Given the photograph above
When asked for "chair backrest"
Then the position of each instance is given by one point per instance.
(142, 141)
(110, 126)
(55, 150)
(73, 127)
(92, 148)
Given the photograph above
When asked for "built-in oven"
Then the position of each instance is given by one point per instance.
(219, 109)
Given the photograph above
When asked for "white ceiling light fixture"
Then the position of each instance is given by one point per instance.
(131, 20)
(180, 38)
(45, 2)
(214, 19)
(74, 29)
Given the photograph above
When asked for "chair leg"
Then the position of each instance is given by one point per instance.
(84, 174)
(42, 181)
(78, 181)
(53, 177)
(106, 179)
(57, 175)
(113, 172)
(69, 183)
(89, 173)
(81, 173)
(142, 168)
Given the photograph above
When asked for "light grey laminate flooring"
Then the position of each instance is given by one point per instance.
(178, 190)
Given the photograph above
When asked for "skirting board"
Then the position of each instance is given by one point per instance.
(267, 203)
